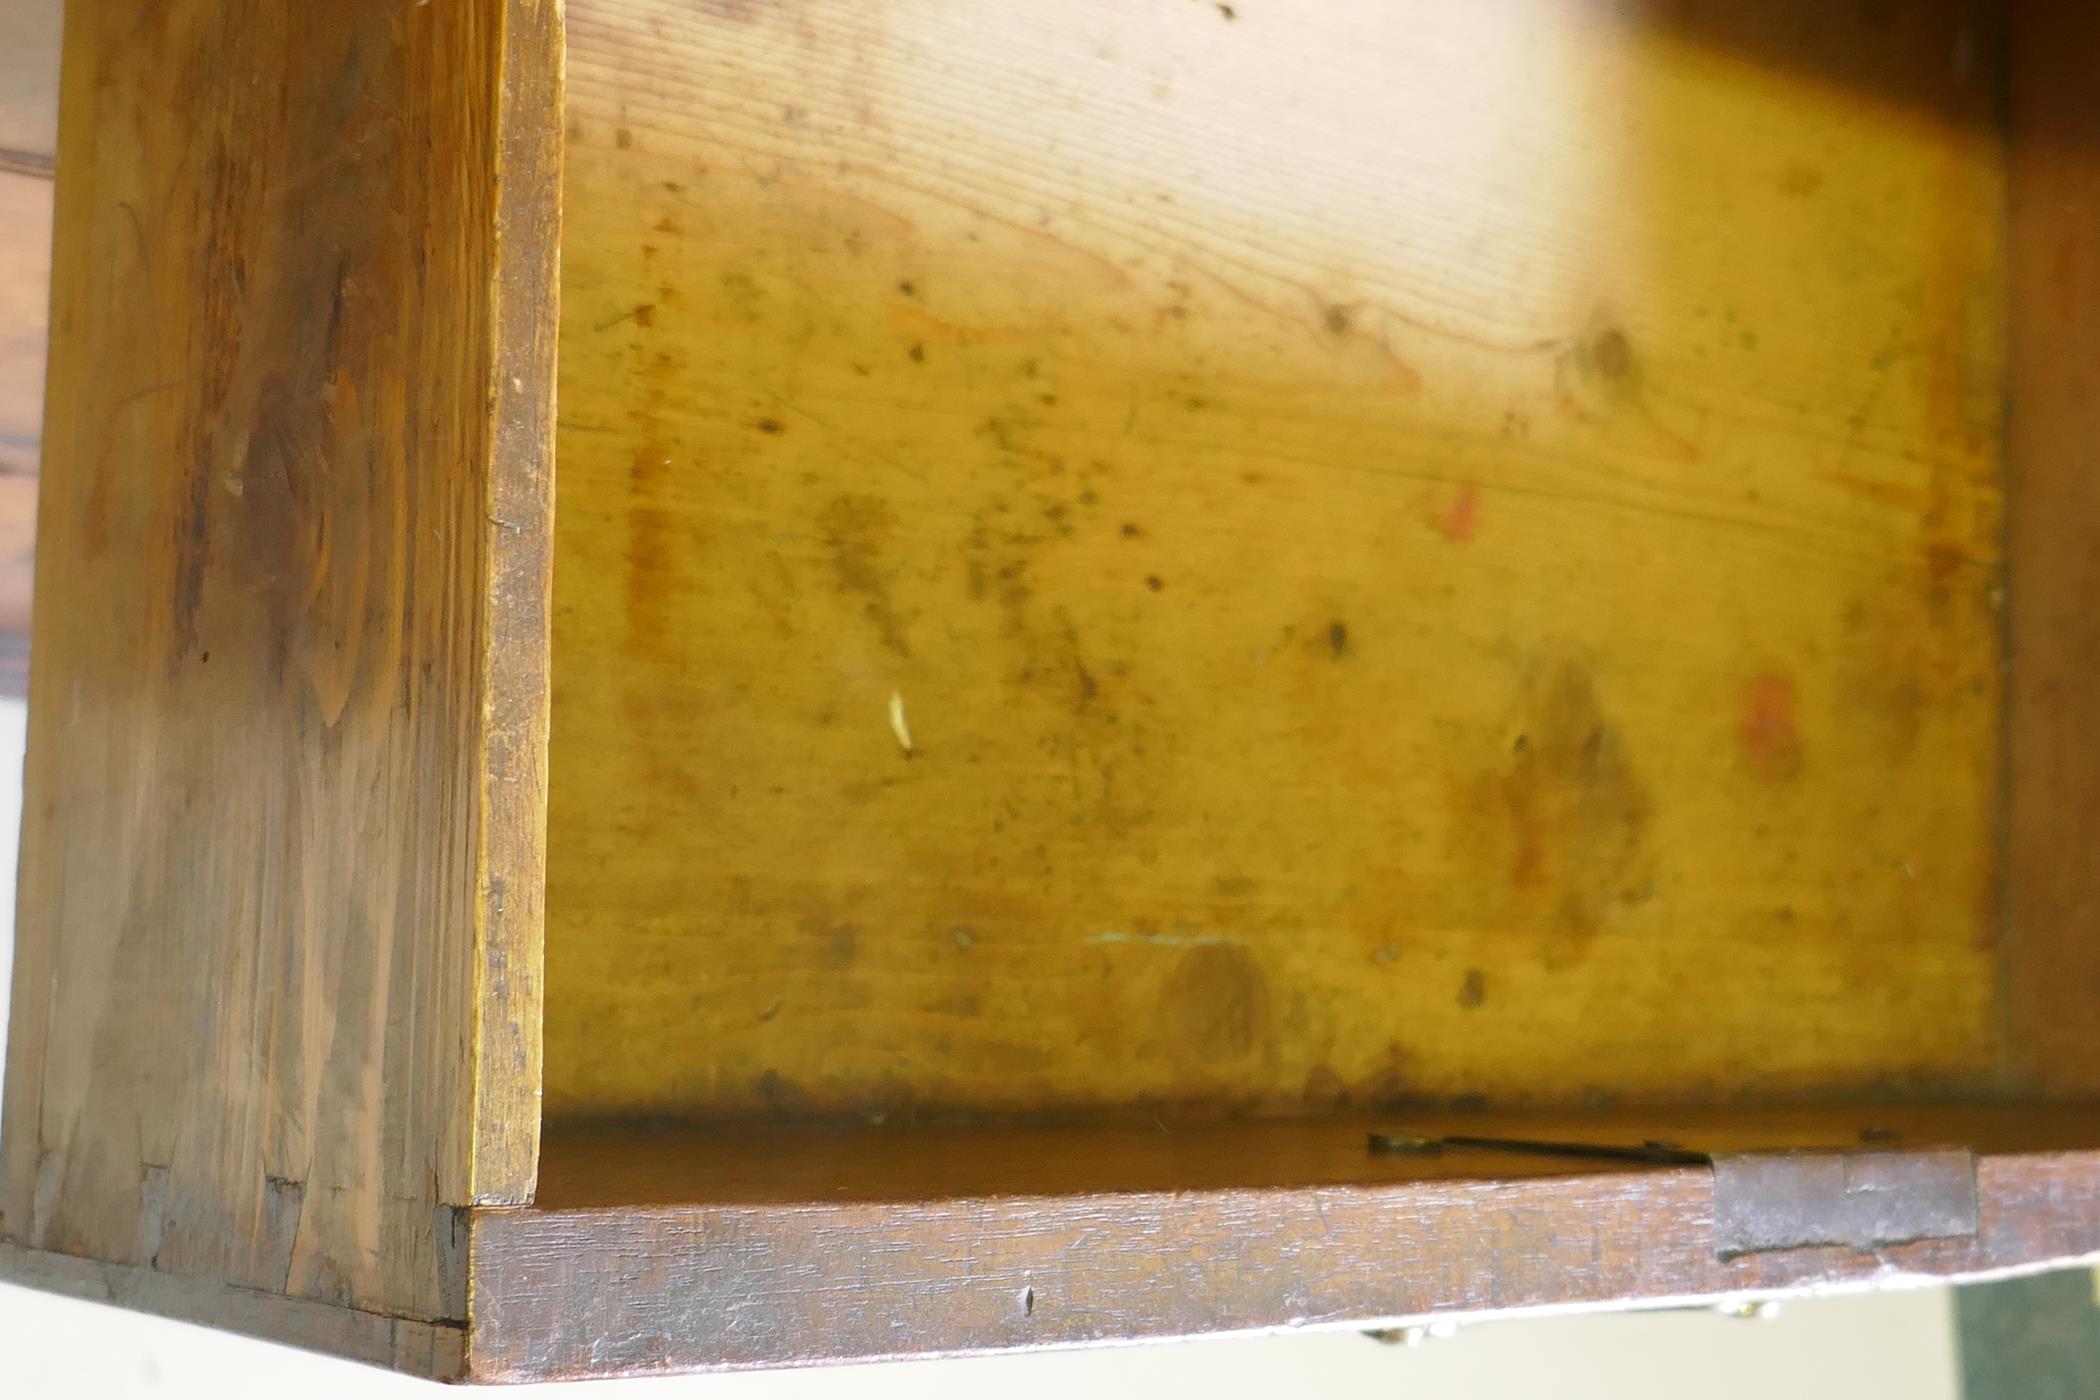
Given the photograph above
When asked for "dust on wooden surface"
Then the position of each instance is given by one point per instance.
(1432, 550)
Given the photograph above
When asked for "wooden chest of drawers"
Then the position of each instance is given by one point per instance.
(720, 683)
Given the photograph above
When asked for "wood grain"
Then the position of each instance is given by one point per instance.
(2052, 883)
(560, 1293)
(258, 839)
(1422, 549)
(433, 1351)
(519, 542)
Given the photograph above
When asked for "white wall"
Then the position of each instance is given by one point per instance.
(1893, 1345)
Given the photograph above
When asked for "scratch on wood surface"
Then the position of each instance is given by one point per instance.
(1167, 940)
(50, 1176)
(898, 725)
(283, 1205)
(153, 1212)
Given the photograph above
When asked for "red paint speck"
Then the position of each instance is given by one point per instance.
(1771, 738)
(1462, 521)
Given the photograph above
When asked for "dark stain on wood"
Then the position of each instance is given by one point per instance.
(837, 945)
(778, 1093)
(1945, 562)
(1324, 1087)
(1611, 354)
(856, 531)
(657, 370)
(1557, 833)
(1893, 701)
(1217, 1001)
(1801, 179)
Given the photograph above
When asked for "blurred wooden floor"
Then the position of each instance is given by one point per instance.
(29, 31)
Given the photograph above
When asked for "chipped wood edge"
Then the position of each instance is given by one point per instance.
(596, 1293)
(432, 1350)
(511, 861)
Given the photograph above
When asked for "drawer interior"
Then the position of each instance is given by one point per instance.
(1250, 560)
